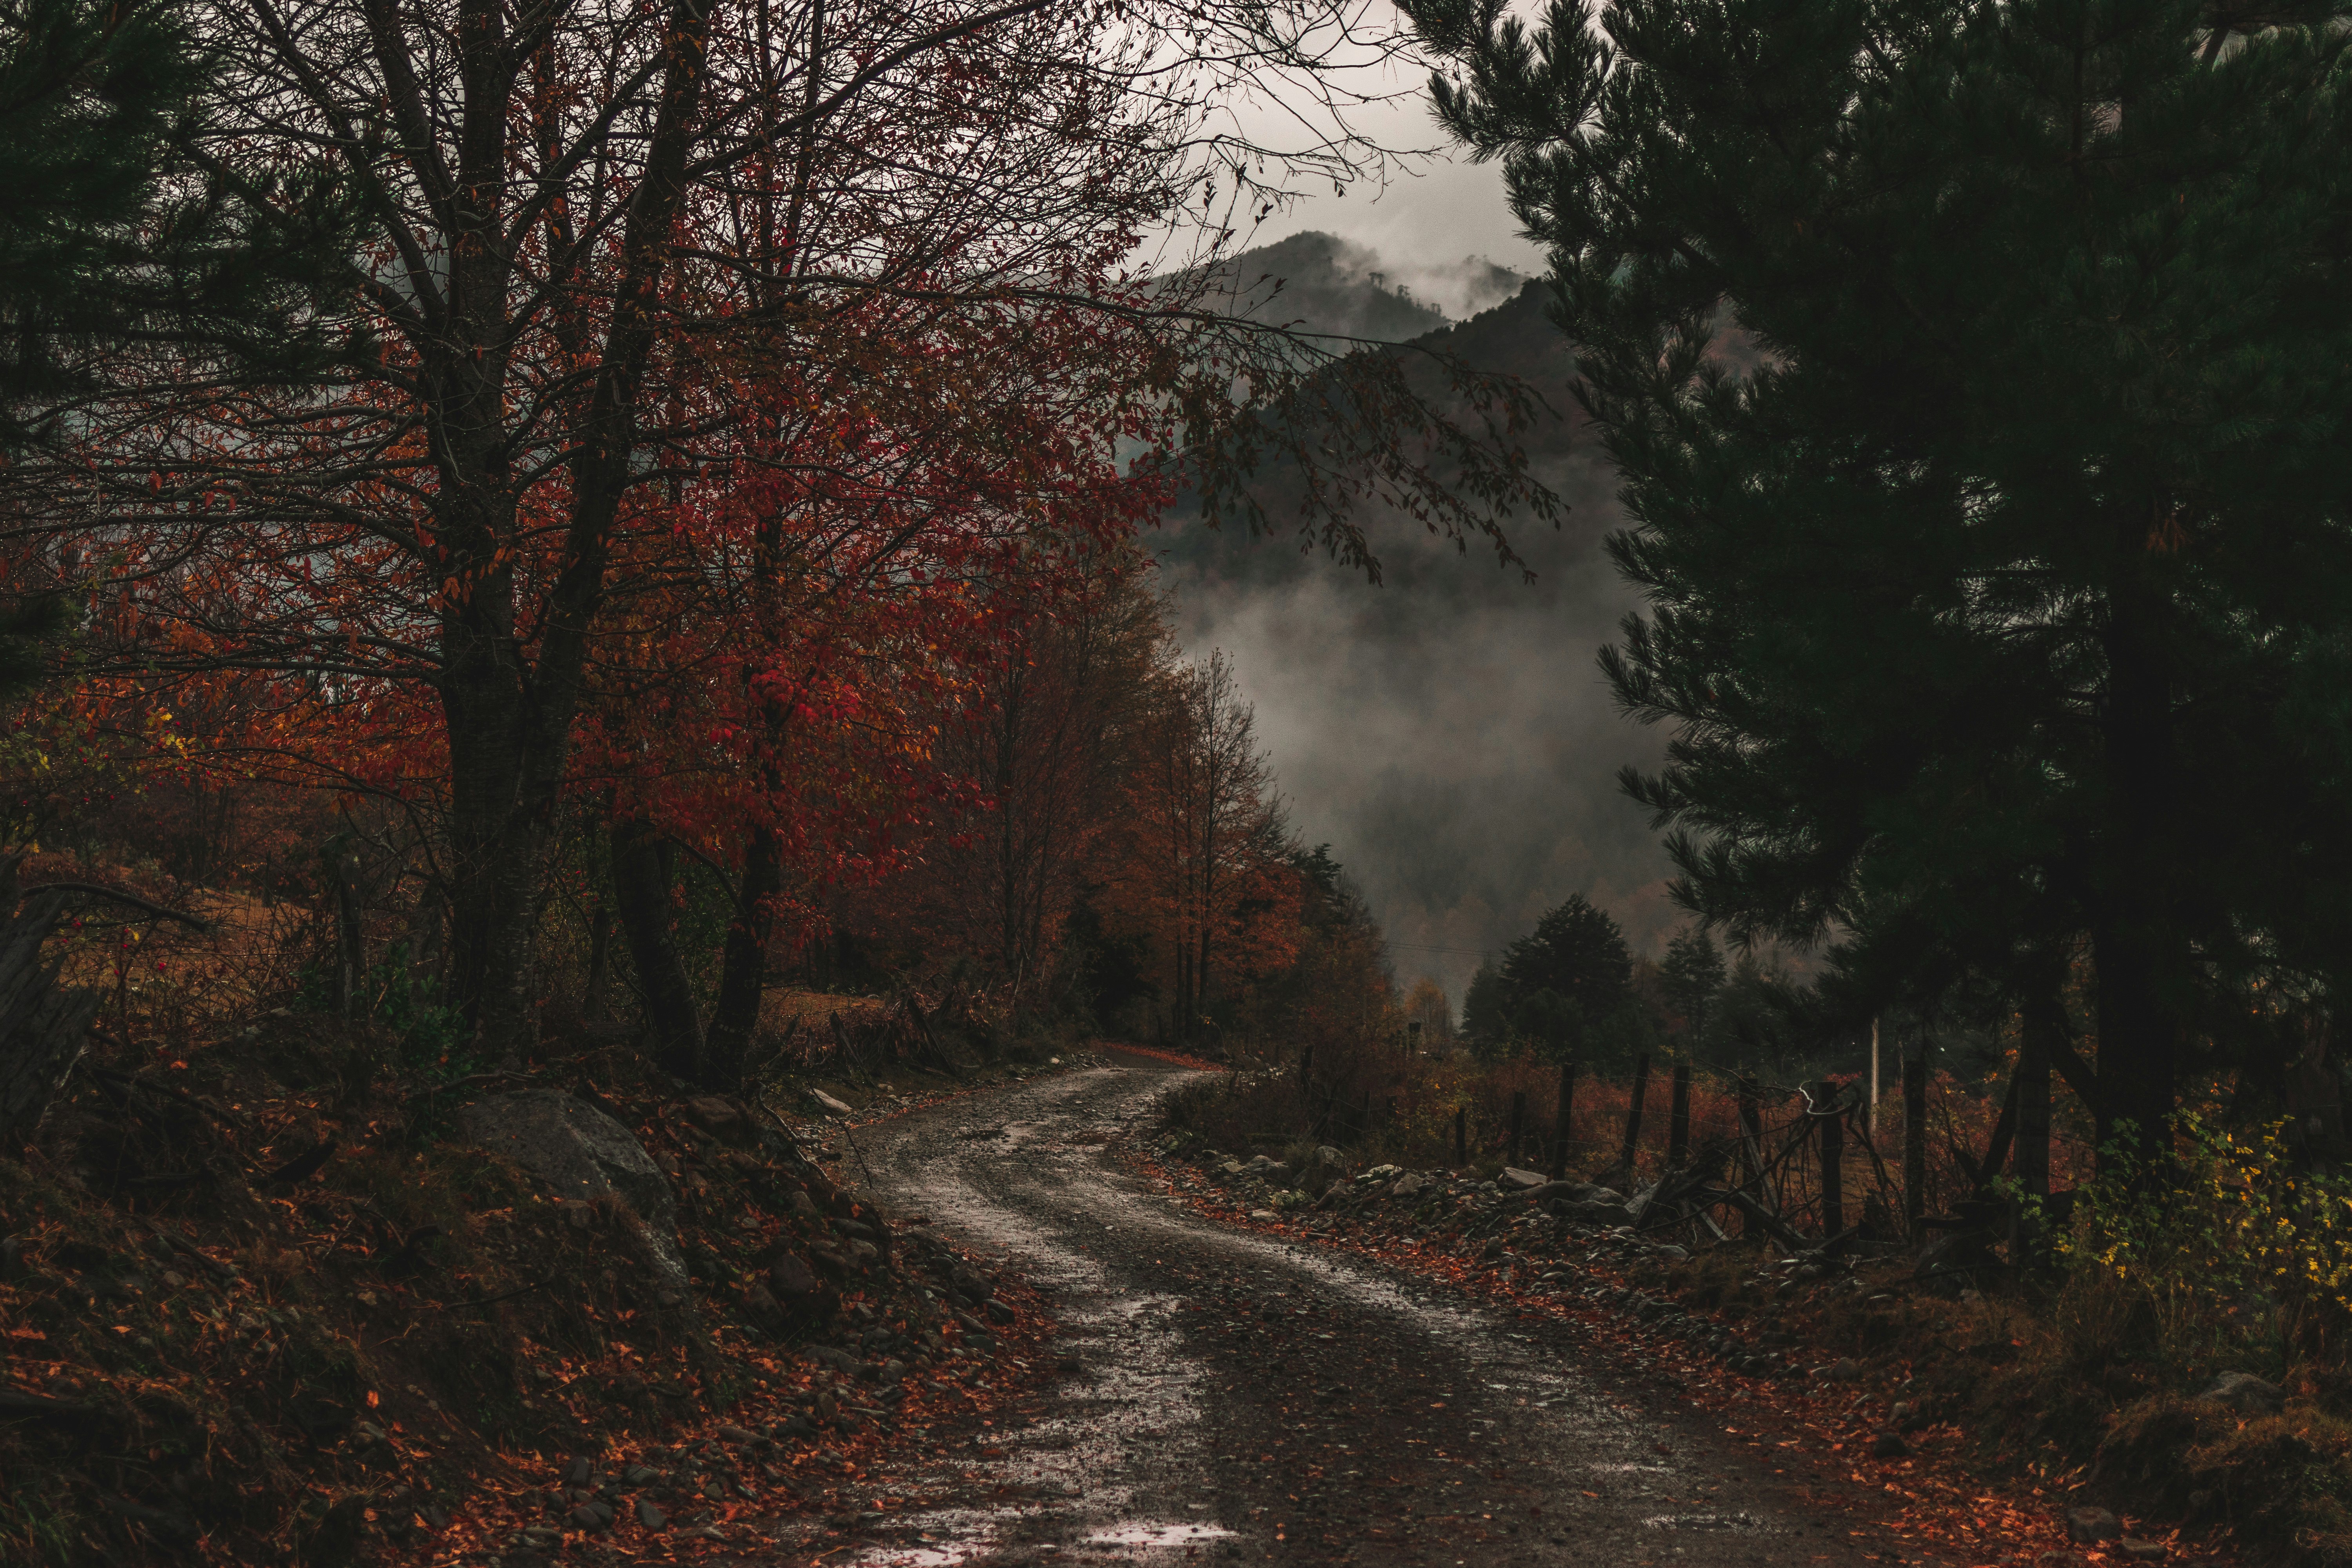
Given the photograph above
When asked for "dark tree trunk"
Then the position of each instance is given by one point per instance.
(1518, 1124)
(2030, 1160)
(1832, 1128)
(1914, 1141)
(1559, 1122)
(1678, 1118)
(641, 888)
(600, 961)
(42, 1024)
(498, 821)
(2133, 941)
(743, 972)
(1634, 1115)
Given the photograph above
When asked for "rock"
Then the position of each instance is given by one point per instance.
(576, 1473)
(1595, 1210)
(829, 1105)
(2140, 1550)
(1514, 1180)
(795, 1284)
(1845, 1370)
(584, 1154)
(998, 1312)
(1888, 1445)
(639, 1475)
(592, 1515)
(835, 1358)
(722, 1119)
(1378, 1175)
(2089, 1526)
(649, 1516)
(736, 1434)
(1411, 1184)
(2244, 1392)
(1263, 1216)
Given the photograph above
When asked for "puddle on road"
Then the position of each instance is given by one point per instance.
(1139, 1533)
(1701, 1522)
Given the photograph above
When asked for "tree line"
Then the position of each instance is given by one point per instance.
(1978, 380)
(727, 427)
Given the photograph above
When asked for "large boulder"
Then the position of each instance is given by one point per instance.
(2245, 1394)
(581, 1155)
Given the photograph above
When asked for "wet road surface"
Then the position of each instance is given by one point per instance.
(1237, 1398)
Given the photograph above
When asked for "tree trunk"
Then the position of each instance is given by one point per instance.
(2031, 1158)
(1633, 1116)
(641, 887)
(1914, 1141)
(1678, 1118)
(2131, 933)
(1832, 1136)
(42, 1024)
(496, 831)
(1519, 1124)
(743, 971)
(1560, 1124)
(600, 959)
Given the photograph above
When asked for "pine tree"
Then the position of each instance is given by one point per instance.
(1978, 376)
(1693, 976)
(115, 243)
(1577, 951)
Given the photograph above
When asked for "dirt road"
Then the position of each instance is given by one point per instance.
(1234, 1398)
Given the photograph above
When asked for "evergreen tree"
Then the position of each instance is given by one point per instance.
(1577, 951)
(1692, 975)
(117, 243)
(1978, 376)
(1486, 1007)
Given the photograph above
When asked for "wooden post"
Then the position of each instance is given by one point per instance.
(1751, 1140)
(1678, 1120)
(1833, 1135)
(1914, 1141)
(1461, 1136)
(2031, 1153)
(1518, 1124)
(1634, 1115)
(1559, 1122)
(1870, 1111)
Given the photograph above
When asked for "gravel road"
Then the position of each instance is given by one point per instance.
(1234, 1398)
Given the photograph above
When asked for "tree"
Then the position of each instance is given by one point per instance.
(1975, 373)
(594, 227)
(1427, 1006)
(1692, 975)
(1211, 847)
(1486, 1007)
(1576, 951)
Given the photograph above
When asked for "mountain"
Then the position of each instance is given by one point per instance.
(1446, 732)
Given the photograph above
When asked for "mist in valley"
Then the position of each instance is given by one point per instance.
(1447, 732)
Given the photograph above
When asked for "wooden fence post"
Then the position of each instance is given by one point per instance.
(1832, 1134)
(1751, 1140)
(1461, 1136)
(1518, 1124)
(1914, 1141)
(1634, 1115)
(1559, 1122)
(1678, 1120)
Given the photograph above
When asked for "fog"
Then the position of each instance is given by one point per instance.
(1447, 733)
